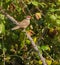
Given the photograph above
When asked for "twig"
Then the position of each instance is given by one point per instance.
(49, 56)
(3, 50)
(26, 7)
(36, 48)
(8, 16)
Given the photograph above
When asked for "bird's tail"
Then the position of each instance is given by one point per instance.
(16, 27)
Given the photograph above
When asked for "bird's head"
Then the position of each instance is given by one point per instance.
(28, 17)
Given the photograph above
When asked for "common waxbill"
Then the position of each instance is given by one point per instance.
(23, 24)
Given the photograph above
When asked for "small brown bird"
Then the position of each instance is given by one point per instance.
(23, 24)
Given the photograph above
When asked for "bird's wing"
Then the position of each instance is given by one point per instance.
(24, 22)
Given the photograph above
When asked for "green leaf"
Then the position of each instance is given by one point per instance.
(42, 4)
(0, 46)
(58, 22)
(14, 36)
(2, 28)
(58, 0)
(52, 17)
(52, 10)
(58, 17)
(35, 3)
(7, 1)
(39, 49)
(28, 41)
(4, 49)
(1, 16)
(45, 47)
